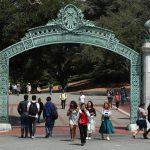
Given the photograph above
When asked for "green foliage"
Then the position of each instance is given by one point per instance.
(58, 62)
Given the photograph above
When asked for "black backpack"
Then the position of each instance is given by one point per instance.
(54, 113)
(33, 110)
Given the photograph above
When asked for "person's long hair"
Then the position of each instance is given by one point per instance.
(106, 104)
(73, 104)
(87, 106)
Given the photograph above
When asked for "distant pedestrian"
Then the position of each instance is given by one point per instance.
(63, 98)
(28, 88)
(141, 120)
(14, 89)
(146, 132)
(51, 89)
(81, 98)
(50, 115)
(106, 125)
(83, 120)
(33, 108)
(123, 95)
(72, 113)
(41, 109)
(117, 99)
(109, 94)
(92, 122)
(22, 110)
(18, 90)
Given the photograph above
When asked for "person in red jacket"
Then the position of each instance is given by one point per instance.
(83, 120)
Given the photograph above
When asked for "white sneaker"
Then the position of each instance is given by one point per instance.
(32, 137)
(107, 138)
(87, 138)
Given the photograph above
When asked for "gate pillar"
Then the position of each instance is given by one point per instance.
(4, 73)
(146, 73)
(146, 66)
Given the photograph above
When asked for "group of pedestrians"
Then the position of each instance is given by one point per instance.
(14, 89)
(120, 97)
(83, 115)
(80, 114)
(30, 112)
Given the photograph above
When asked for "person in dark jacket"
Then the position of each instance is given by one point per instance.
(22, 110)
(47, 115)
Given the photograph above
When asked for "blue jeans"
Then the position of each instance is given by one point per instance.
(24, 124)
(49, 124)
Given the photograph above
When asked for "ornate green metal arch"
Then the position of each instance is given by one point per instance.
(70, 27)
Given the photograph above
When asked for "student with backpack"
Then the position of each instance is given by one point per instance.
(33, 109)
(50, 115)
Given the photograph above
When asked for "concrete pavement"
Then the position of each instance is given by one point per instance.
(117, 142)
(122, 139)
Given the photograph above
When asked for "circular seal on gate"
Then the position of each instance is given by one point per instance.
(70, 17)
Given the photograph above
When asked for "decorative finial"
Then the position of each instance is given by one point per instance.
(147, 25)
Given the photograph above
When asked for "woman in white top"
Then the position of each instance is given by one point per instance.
(72, 113)
(141, 121)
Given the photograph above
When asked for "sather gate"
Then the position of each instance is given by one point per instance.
(69, 27)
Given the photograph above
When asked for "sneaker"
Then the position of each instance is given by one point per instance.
(133, 136)
(82, 144)
(107, 138)
(145, 137)
(32, 137)
(89, 138)
(47, 136)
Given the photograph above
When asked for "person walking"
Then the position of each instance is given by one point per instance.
(33, 108)
(92, 122)
(110, 96)
(83, 120)
(141, 120)
(63, 98)
(117, 99)
(41, 109)
(146, 132)
(123, 95)
(22, 110)
(106, 124)
(49, 110)
(51, 88)
(81, 98)
(72, 113)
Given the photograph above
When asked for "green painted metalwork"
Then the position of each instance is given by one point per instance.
(70, 27)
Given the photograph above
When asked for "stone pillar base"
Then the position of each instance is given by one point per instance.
(132, 127)
(5, 127)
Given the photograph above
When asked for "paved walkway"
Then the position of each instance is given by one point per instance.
(122, 139)
(120, 119)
